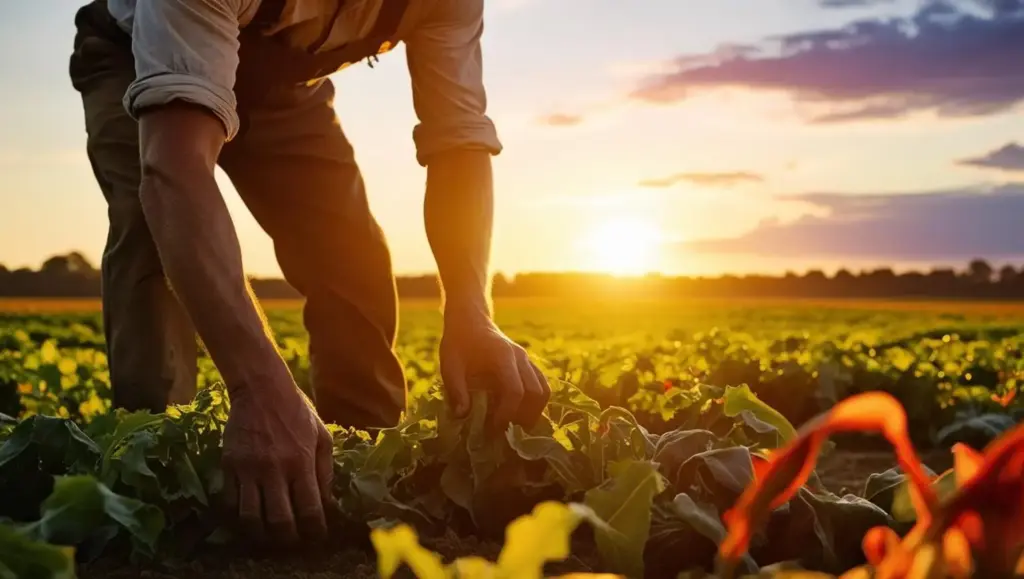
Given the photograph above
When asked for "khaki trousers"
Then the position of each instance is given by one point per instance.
(297, 174)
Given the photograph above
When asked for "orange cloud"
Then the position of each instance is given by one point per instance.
(561, 120)
(726, 179)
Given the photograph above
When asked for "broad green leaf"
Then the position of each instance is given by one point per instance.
(548, 449)
(131, 463)
(719, 475)
(623, 502)
(457, 484)
(976, 431)
(23, 558)
(58, 441)
(902, 505)
(534, 539)
(128, 425)
(569, 397)
(384, 452)
(676, 447)
(740, 398)
(880, 488)
(80, 506)
(617, 413)
(485, 453)
(705, 519)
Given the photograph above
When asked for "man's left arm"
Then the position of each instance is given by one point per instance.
(455, 141)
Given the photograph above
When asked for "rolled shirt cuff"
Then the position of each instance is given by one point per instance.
(161, 89)
(477, 133)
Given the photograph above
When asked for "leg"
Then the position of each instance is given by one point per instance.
(296, 172)
(151, 346)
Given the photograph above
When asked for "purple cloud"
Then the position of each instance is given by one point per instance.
(952, 58)
(1009, 157)
(930, 225)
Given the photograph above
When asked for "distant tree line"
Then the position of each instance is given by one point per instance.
(73, 276)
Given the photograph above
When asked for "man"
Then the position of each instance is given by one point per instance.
(173, 88)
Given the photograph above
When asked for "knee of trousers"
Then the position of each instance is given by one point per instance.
(361, 394)
(130, 244)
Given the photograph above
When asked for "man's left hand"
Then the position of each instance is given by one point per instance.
(476, 355)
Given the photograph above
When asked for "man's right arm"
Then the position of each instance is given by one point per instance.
(186, 55)
(197, 243)
(277, 454)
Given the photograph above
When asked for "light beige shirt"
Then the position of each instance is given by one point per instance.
(188, 50)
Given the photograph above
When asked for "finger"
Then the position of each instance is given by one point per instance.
(544, 384)
(535, 396)
(456, 391)
(309, 509)
(278, 506)
(325, 473)
(249, 518)
(509, 393)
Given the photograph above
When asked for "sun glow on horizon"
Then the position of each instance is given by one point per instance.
(623, 246)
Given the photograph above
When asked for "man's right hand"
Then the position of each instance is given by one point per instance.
(278, 465)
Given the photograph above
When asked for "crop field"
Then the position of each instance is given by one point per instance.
(683, 439)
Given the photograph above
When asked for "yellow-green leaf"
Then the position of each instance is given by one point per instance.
(536, 538)
(623, 502)
(740, 398)
(401, 545)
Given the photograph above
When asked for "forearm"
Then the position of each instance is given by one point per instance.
(459, 215)
(201, 256)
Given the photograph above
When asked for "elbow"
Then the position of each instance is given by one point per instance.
(165, 179)
(159, 181)
(156, 180)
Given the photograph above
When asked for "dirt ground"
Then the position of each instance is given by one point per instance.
(847, 471)
(842, 471)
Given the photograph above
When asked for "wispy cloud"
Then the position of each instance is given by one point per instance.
(561, 120)
(928, 225)
(1009, 157)
(727, 179)
(953, 58)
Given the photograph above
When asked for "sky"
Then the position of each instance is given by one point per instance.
(689, 137)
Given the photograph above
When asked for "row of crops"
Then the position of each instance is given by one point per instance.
(653, 441)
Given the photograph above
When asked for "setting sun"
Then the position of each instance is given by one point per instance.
(623, 247)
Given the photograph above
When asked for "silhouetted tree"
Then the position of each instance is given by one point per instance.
(1007, 274)
(72, 275)
(979, 271)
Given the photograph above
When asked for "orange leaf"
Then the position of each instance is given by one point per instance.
(789, 467)
(878, 542)
(1006, 399)
(966, 462)
(989, 507)
(956, 551)
(761, 463)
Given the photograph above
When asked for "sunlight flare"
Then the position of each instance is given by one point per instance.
(623, 246)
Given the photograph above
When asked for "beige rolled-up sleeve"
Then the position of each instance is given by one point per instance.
(446, 69)
(187, 50)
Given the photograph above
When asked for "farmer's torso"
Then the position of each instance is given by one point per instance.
(319, 28)
(225, 55)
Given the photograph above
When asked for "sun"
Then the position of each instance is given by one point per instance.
(623, 246)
